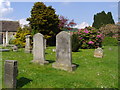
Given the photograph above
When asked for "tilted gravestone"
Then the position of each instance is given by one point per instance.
(63, 52)
(10, 73)
(27, 46)
(98, 52)
(39, 49)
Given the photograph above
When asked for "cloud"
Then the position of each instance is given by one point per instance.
(5, 7)
(23, 22)
(6, 19)
(82, 25)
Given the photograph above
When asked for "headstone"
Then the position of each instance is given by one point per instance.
(4, 50)
(38, 49)
(15, 48)
(10, 73)
(63, 52)
(27, 46)
(110, 49)
(54, 50)
(98, 52)
(45, 43)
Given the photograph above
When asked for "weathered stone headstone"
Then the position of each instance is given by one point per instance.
(45, 43)
(63, 52)
(39, 49)
(27, 46)
(54, 50)
(110, 48)
(98, 52)
(15, 48)
(4, 50)
(10, 73)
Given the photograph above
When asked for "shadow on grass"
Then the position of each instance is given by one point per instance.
(46, 53)
(77, 65)
(23, 81)
(78, 51)
(50, 61)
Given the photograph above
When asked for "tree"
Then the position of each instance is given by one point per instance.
(66, 24)
(44, 20)
(101, 19)
(20, 36)
(109, 30)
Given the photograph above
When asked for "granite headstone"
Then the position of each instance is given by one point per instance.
(63, 52)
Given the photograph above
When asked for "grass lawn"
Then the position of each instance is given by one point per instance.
(91, 73)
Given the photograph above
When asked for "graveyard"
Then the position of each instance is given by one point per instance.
(52, 51)
(91, 72)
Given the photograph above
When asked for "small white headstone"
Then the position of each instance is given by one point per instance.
(15, 48)
(98, 52)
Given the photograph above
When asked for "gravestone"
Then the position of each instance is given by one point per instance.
(15, 48)
(45, 43)
(27, 46)
(63, 52)
(39, 49)
(54, 50)
(10, 73)
(4, 50)
(98, 52)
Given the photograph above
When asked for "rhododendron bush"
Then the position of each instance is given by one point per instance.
(89, 37)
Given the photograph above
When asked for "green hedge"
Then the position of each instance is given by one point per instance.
(109, 41)
(75, 43)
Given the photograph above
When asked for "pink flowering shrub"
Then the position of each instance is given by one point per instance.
(89, 37)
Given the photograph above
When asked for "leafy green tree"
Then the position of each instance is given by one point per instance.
(44, 20)
(20, 36)
(101, 19)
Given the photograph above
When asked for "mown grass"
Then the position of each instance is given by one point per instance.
(91, 72)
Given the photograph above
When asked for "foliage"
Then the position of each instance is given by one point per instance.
(91, 72)
(44, 20)
(66, 24)
(110, 30)
(102, 18)
(75, 43)
(20, 36)
(90, 37)
(110, 41)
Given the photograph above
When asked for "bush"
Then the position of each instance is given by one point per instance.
(11, 40)
(20, 36)
(90, 37)
(109, 30)
(75, 43)
(109, 41)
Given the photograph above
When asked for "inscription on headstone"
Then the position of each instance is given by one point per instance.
(39, 49)
(10, 73)
(98, 52)
(63, 52)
